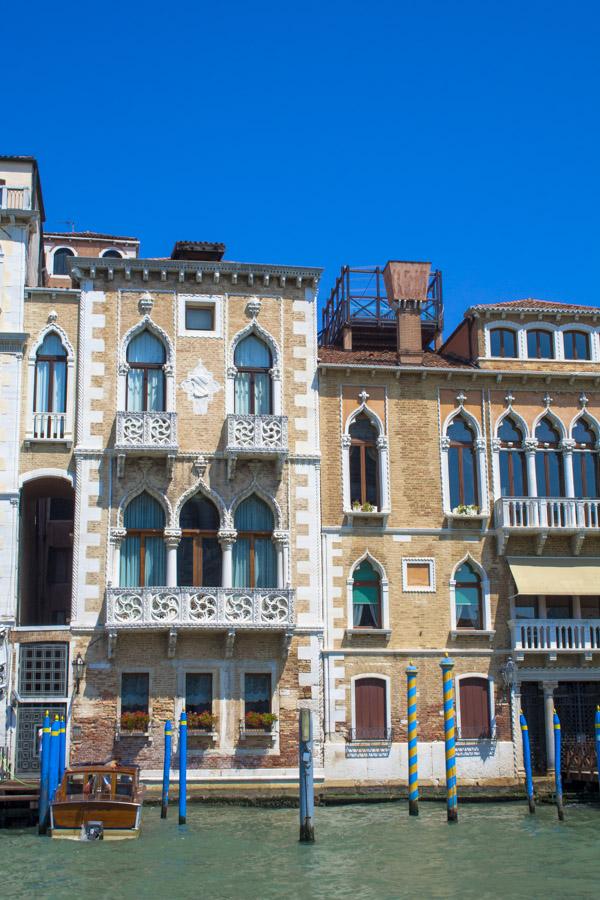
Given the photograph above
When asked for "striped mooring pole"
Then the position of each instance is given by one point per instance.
(306, 773)
(413, 771)
(62, 749)
(557, 771)
(447, 666)
(182, 768)
(54, 754)
(166, 770)
(44, 773)
(597, 733)
(527, 763)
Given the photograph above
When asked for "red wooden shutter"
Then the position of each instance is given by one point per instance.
(369, 699)
(474, 708)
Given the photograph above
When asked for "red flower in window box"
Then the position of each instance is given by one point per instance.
(203, 721)
(260, 721)
(135, 722)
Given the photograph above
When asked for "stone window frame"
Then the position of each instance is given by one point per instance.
(408, 589)
(275, 372)
(388, 697)
(50, 254)
(133, 670)
(258, 667)
(70, 388)
(479, 445)
(486, 607)
(219, 701)
(383, 461)
(147, 323)
(491, 703)
(384, 586)
(557, 330)
(216, 301)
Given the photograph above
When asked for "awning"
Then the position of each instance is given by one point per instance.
(556, 576)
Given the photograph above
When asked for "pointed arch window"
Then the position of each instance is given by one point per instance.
(513, 467)
(468, 597)
(50, 388)
(199, 553)
(364, 462)
(462, 464)
(366, 596)
(254, 558)
(585, 460)
(548, 460)
(143, 550)
(252, 392)
(146, 357)
(59, 261)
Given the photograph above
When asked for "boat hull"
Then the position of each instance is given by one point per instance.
(119, 819)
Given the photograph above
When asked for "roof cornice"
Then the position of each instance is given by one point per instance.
(536, 310)
(447, 373)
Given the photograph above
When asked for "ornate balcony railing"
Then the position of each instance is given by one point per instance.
(543, 512)
(198, 607)
(552, 636)
(49, 426)
(257, 434)
(147, 431)
(14, 197)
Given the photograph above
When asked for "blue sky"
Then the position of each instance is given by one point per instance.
(324, 133)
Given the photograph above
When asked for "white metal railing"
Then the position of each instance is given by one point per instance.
(14, 197)
(143, 607)
(146, 430)
(257, 434)
(49, 426)
(551, 635)
(543, 512)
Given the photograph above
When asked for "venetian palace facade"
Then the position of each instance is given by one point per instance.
(207, 505)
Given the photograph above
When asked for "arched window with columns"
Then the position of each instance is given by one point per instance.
(253, 393)
(462, 463)
(254, 555)
(50, 390)
(585, 459)
(549, 460)
(146, 357)
(142, 555)
(365, 463)
(512, 462)
(199, 558)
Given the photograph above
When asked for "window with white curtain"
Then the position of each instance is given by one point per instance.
(50, 394)
(254, 558)
(143, 550)
(146, 357)
(253, 362)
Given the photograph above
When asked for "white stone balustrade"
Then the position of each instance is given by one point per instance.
(542, 512)
(14, 197)
(257, 434)
(552, 636)
(198, 607)
(49, 426)
(146, 431)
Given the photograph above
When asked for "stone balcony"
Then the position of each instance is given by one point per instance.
(543, 516)
(15, 198)
(229, 610)
(146, 434)
(552, 637)
(256, 437)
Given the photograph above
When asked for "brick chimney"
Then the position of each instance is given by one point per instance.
(406, 287)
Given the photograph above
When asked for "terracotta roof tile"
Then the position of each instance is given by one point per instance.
(89, 234)
(386, 358)
(532, 303)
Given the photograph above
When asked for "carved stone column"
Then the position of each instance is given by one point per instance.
(227, 537)
(117, 536)
(531, 445)
(281, 539)
(567, 445)
(172, 538)
(276, 387)
(549, 688)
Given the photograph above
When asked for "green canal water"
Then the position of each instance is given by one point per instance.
(365, 851)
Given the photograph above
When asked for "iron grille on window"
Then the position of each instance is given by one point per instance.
(43, 670)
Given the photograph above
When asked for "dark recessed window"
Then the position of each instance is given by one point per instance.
(503, 342)
(112, 254)
(577, 345)
(257, 693)
(462, 464)
(59, 263)
(199, 318)
(540, 344)
(198, 692)
(135, 692)
(526, 608)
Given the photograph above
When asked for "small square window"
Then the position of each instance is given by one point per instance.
(418, 575)
(199, 318)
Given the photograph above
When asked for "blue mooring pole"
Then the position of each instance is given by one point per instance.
(413, 772)
(597, 732)
(557, 772)
(527, 763)
(166, 770)
(182, 767)
(305, 770)
(54, 748)
(447, 666)
(44, 772)
(62, 749)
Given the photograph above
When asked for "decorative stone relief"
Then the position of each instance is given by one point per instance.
(145, 304)
(200, 386)
(253, 307)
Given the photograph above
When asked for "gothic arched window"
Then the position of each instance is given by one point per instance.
(253, 361)
(548, 460)
(143, 550)
(462, 464)
(468, 597)
(364, 462)
(146, 377)
(199, 552)
(366, 596)
(585, 460)
(513, 468)
(254, 558)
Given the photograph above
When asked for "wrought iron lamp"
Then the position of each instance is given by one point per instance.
(78, 671)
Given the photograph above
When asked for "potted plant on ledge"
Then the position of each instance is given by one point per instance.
(259, 723)
(466, 510)
(134, 724)
(201, 723)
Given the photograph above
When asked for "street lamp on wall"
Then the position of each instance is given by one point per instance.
(78, 671)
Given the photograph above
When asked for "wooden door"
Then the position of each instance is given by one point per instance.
(370, 709)
(474, 708)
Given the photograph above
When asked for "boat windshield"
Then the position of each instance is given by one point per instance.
(89, 785)
(124, 786)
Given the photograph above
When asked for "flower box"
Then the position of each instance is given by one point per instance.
(134, 724)
(466, 511)
(201, 723)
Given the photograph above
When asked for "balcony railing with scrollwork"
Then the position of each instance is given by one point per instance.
(146, 431)
(262, 435)
(198, 607)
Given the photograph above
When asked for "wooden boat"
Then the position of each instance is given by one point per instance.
(97, 802)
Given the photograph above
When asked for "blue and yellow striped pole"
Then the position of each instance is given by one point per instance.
(413, 771)
(182, 768)
(44, 773)
(62, 749)
(166, 770)
(597, 732)
(527, 763)
(54, 751)
(557, 767)
(447, 666)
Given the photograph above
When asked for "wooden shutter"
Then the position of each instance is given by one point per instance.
(370, 709)
(474, 708)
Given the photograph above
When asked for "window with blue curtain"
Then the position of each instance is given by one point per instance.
(50, 394)
(257, 692)
(253, 362)
(366, 596)
(468, 597)
(254, 558)
(585, 460)
(146, 377)
(135, 692)
(198, 692)
(199, 551)
(462, 464)
(549, 460)
(143, 561)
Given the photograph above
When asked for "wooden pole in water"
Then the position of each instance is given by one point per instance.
(527, 763)
(62, 749)
(557, 772)
(597, 731)
(413, 772)
(182, 768)
(54, 751)
(447, 666)
(44, 773)
(166, 770)
(306, 780)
